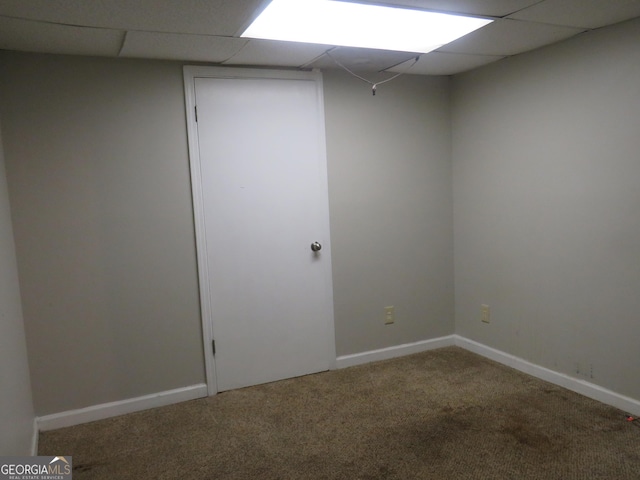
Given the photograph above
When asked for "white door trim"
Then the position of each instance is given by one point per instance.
(190, 74)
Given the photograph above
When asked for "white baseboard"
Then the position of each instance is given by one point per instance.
(627, 404)
(34, 438)
(112, 409)
(395, 351)
(591, 390)
(107, 410)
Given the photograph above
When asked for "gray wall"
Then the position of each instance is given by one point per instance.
(98, 173)
(16, 406)
(391, 209)
(543, 219)
(546, 172)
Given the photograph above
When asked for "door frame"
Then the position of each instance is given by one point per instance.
(190, 73)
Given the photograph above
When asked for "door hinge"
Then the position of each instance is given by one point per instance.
(196, 109)
(213, 346)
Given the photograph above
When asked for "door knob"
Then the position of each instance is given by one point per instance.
(315, 246)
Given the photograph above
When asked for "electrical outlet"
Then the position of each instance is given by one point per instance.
(389, 315)
(485, 313)
(586, 372)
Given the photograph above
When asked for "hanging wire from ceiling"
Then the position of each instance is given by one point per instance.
(374, 85)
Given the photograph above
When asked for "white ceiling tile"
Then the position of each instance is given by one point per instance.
(28, 36)
(580, 13)
(175, 46)
(203, 30)
(209, 17)
(271, 52)
(362, 59)
(440, 63)
(509, 37)
(491, 8)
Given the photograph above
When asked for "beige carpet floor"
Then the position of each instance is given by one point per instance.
(443, 414)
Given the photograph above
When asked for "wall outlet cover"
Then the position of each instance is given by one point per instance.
(485, 313)
(389, 315)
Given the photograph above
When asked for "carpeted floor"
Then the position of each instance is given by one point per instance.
(443, 414)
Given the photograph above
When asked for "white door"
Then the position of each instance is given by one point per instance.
(262, 165)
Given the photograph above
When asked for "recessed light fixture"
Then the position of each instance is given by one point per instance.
(351, 24)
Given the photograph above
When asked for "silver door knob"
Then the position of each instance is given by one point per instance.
(315, 246)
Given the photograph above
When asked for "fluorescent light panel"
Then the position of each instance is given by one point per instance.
(360, 25)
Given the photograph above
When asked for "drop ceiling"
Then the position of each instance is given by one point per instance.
(209, 31)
